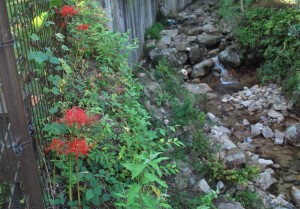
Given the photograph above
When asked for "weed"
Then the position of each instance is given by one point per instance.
(154, 31)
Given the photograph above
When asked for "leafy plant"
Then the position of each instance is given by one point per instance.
(249, 199)
(154, 31)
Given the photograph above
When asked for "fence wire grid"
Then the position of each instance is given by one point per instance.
(22, 16)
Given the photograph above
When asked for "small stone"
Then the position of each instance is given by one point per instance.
(212, 117)
(270, 171)
(220, 185)
(247, 103)
(276, 166)
(296, 195)
(166, 122)
(267, 132)
(203, 186)
(265, 162)
(246, 122)
(279, 137)
(226, 98)
(222, 130)
(277, 115)
(256, 129)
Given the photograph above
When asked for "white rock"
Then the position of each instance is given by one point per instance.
(246, 122)
(279, 137)
(296, 195)
(212, 117)
(277, 115)
(227, 98)
(256, 129)
(247, 103)
(265, 162)
(222, 130)
(270, 170)
(220, 185)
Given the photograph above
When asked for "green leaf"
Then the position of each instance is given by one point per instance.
(55, 3)
(132, 194)
(54, 60)
(121, 153)
(65, 66)
(135, 169)
(34, 37)
(149, 202)
(149, 177)
(39, 21)
(165, 205)
(53, 110)
(89, 194)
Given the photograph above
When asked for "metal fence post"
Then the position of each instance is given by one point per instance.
(16, 112)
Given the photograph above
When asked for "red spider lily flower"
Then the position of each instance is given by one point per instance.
(56, 145)
(77, 147)
(67, 11)
(77, 116)
(83, 27)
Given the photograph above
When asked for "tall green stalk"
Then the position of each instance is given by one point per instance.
(70, 177)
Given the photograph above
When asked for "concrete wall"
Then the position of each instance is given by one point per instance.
(137, 15)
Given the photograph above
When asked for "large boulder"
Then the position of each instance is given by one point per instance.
(235, 157)
(174, 58)
(202, 69)
(230, 57)
(197, 88)
(292, 134)
(196, 53)
(209, 40)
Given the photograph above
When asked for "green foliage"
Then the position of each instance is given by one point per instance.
(214, 170)
(249, 199)
(273, 33)
(207, 200)
(154, 31)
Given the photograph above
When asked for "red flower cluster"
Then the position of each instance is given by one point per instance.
(83, 27)
(76, 146)
(67, 11)
(77, 116)
(56, 145)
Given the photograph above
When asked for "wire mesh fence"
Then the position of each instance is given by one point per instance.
(25, 18)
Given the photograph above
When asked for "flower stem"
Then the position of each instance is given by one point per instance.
(78, 189)
(54, 172)
(70, 176)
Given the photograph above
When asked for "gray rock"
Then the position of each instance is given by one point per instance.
(264, 180)
(170, 33)
(296, 195)
(194, 31)
(208, 28)
(220, 185)
(280, 107)
(235, 157)
(221, 130)
(277, 115)
(226, 98)
(212, 117)
(166, 40)
(290, 178)
(247, 103)
(293, 134)
(197, 88)
(175, 58)
(209, 40)
(152, 87)
(196, 53)
(202, 69)
(230, 57)
(256, 129)
(279, 137)
(202, 186)
(267, 132)
(230, 205)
